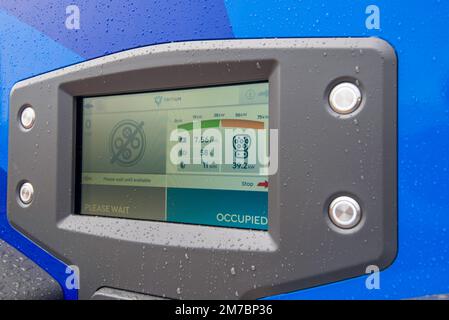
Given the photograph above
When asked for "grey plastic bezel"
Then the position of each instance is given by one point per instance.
(321, 155)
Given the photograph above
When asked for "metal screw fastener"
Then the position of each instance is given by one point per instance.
(26, 193)
(345, 98)
(345, 212)
(27, 118)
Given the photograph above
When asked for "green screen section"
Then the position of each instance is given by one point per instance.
(127, 169)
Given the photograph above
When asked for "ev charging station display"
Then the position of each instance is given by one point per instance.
(160, 152)
(185, 156)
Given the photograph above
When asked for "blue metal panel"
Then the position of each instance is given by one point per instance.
(25, 52)
(418, 32)
(34, 40)
(111, 26)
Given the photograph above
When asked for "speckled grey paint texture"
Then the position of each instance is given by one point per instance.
(22, 279)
